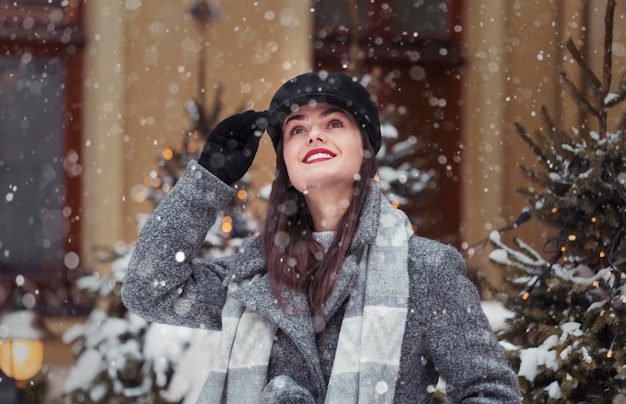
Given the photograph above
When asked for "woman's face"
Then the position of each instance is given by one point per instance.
(322, 147)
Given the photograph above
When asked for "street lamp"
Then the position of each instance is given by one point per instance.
(21, 345)
(22, 332)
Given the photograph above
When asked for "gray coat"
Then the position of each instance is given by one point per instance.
(446, 333)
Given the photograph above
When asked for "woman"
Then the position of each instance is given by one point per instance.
(337, 300)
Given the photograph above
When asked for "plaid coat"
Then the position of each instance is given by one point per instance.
(447, 333)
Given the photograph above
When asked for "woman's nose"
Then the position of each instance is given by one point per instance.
(316, 135)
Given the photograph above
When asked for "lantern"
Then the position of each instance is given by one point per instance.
(21, 345)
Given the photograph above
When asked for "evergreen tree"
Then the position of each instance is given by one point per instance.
(567, 337)
(121, 357)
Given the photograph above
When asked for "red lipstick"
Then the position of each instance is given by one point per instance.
(318, 154)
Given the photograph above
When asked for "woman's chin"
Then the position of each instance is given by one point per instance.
(326, 184)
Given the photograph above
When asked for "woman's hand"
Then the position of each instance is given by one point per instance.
(231, 146)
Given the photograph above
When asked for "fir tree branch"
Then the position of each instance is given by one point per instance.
(608, 48)
(576, 95)
(606, 68)
(593, 81)
(616, 100)
(534, 176)
(529, 141)
(614, 183)
(559, 136)
(621, 93)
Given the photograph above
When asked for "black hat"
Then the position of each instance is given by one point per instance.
(332, 88)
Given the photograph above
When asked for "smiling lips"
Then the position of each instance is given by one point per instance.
(317, 155)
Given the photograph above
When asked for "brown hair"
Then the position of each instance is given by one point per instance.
(294, 259)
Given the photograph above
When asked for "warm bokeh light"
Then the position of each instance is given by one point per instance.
(21, 359)
(242, 194)
(139, 196)
(168, 154)
(227, 224)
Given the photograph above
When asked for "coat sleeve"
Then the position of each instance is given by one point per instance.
(459, 337)
(163, 283)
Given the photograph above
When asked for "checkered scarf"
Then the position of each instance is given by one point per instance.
(367, 359)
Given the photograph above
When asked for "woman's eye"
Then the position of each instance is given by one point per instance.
(335, 123)
(297, 130)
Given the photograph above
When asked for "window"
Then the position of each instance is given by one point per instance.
(388, 31)
(40, 70)
(412, 49)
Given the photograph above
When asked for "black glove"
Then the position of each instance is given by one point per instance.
(232, 144)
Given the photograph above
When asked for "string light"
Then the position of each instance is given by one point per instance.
(242, 194)
(609, 354)
(554, 259)
(571, 237)
(395, 204)
(594, 219)
(554, 210)
(596, 283)
(602, 254)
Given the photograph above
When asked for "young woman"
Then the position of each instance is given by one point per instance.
(336, 301)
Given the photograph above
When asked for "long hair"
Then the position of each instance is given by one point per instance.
(295, 260)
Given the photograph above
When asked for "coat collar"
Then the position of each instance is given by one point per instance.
(258, 295)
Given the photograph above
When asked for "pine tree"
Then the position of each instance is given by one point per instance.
(567, 336)
(121, 357)
(401, 181)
